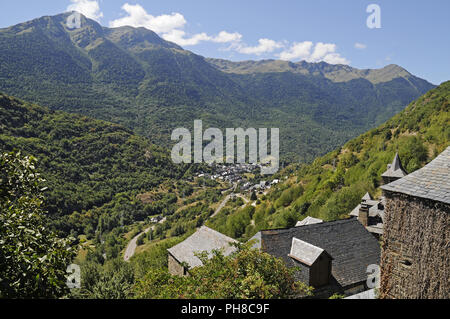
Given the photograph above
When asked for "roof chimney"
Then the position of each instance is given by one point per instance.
(363, 216)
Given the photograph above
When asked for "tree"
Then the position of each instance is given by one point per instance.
(253, 196)
(33, 259)
(246, 274)
(140, 240)
(112, 281)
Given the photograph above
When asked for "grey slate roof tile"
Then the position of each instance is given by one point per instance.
(308, 220)
(304, 252)
(352, 247)
(395, 169)
(204, 239)
(430, 182)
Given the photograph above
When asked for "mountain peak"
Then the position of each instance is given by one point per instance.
(333, 72)
(141, 37)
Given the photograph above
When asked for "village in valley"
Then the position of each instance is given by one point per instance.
(241, 177)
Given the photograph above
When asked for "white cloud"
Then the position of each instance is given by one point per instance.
(170, 27)
(89, 8)
(300, 51)
(264, 46)
(224, 37)
(179, 37)
(321, 50)
(360, 46)
(335, 58)
(325, 52)
(138, 17)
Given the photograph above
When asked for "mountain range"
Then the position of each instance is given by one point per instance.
(132, 77)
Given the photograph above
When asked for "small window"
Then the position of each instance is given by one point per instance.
(406, 263)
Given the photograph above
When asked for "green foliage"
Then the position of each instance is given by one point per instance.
(413, 152)
(112, 281)
(288, 195)
(155, 257)
(337, 296)
(33, 259)
(94, 169)
(334, 184)
(247, 274)
(234, 225)
(140, 240)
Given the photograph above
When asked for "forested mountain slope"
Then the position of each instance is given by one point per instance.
(87, 163)
(132, 77)
(334, 184)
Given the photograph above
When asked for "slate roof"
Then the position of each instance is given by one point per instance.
(374, 210)
(367, 197)
(204, 239)
(355, 211)
(377, 229)
(308, 221)
(351, 246)
(430, 182)
(305, 252)
(395, 169)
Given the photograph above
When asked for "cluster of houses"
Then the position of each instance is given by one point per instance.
(230, 173)
(411, 220)
(234, 174)
(158, 219)
(259, 187)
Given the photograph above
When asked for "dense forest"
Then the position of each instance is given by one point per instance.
(89, 165)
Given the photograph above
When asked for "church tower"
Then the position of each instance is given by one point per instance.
(394, 171)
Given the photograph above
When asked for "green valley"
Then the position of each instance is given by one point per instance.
(331, 186)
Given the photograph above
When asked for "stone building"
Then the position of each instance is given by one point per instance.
(332, 256)
(182, 257)
(370, 214)
(415, 260)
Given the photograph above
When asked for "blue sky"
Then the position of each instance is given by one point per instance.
(413, 34)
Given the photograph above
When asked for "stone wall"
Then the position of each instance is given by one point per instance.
(415, 261)
(175, 268)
